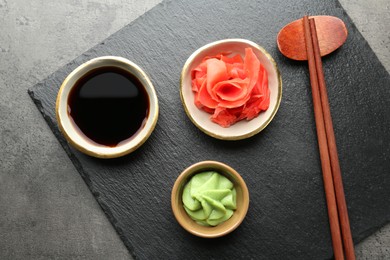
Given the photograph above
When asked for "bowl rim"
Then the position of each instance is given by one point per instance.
(189, 172)
(212, 44)
(153, 101)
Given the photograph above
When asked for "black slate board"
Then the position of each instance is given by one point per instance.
(287, 218)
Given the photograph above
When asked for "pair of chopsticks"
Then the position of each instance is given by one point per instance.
(337, 208)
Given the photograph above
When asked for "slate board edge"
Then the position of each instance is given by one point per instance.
(53, 126)
(79, 168)
(357, 238)
(65, 145)
(352, 26)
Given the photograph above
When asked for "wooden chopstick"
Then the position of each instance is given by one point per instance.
(334, 159)
(323, 147)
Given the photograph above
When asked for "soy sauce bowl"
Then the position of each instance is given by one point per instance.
(72, 132)
(242, 200)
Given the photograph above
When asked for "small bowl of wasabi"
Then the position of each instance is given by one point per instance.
(209, 199)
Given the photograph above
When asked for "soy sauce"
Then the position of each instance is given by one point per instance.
(108, 105)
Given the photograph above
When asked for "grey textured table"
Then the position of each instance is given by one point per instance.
(46, 209)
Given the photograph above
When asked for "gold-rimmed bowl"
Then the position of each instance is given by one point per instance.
(242, 129)
(242, 200)
(80, 141)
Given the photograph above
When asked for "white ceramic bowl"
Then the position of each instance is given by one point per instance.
(242, 129)
(79, 141)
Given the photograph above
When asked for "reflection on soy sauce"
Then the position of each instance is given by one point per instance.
(108, 106)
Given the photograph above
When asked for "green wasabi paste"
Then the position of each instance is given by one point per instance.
(209, 198)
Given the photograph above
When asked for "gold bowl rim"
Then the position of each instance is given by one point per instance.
(90, 148)
(215, 43)
(224, 228)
